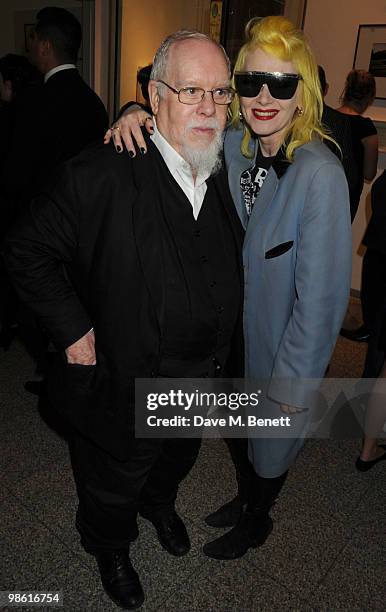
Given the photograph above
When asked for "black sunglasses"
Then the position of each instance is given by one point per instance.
(281, 85)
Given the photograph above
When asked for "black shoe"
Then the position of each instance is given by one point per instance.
(227, 515)
(171, 532)
(251, 531)
(365, 466)
(120, 580)
(361, 334)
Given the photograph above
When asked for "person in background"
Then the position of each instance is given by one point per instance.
(374, 287)
(374, 279)
(338, 126)
(41, 141)
(358, 95)
(35, 150)
(17, 76)
(375, 419)
(291, 195)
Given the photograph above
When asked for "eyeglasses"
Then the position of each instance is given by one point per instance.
(194, 95)
(281, 85)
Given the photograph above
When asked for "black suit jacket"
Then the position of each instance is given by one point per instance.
(102, 219)
(375, 235)
(53, 123)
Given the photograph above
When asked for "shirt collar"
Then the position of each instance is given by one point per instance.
(58, 69)
(175, 163)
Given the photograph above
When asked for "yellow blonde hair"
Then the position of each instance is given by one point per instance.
(278, 37)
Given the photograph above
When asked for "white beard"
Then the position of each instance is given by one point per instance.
(204, 159)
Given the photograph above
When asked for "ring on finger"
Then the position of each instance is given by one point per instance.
(115, 127)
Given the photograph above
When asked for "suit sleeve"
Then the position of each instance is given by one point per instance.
(322, 284)
(37, 252)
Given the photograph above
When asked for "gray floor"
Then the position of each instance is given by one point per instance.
(327, 550)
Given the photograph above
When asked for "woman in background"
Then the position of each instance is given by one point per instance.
(358, 95)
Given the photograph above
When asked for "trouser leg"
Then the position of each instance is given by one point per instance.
(373, 298)
(109, 491)
(174, 463)
(371, 286)
(238, 450)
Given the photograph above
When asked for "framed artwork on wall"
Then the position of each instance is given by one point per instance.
(28, 30)
(370, 54)
(215, 20)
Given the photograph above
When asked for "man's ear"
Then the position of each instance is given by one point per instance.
(153, 96)
(8, 90)
(45, 48)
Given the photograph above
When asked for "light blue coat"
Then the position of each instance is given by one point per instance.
(297, 265)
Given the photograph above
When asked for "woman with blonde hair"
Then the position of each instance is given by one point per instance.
(292, 199)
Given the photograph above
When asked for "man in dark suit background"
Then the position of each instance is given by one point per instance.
(55, 121)
(373, 290)
(133, 266)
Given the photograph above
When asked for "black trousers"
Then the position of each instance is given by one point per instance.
(111, 492)
(373, 298)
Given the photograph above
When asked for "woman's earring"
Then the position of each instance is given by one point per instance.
(241, 117)
(300, 111)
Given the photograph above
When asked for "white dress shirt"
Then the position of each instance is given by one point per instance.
(181, 172)
(58, 69)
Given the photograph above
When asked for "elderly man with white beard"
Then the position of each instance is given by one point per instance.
(133, 267)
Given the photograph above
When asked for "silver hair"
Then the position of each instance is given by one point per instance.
(160, 62)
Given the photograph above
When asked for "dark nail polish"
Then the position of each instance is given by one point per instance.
(131, 153)
(142, 151)
(119, 149)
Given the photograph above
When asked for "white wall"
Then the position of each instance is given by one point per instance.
(332, 27)
(145, 25)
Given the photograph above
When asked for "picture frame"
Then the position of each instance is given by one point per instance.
(215, 20)
(28, 28)
(370, 54)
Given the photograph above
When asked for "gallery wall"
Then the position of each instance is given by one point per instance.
(145, 25)
(331, 27)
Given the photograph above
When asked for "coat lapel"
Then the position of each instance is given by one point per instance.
(267, 192)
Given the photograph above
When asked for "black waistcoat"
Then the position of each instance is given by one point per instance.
(202, 278)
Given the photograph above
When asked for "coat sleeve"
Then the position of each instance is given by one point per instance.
(322, 285)
(37, 252)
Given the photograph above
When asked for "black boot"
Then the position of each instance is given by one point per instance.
(229, 514)
(120, 580)
(254, 525)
